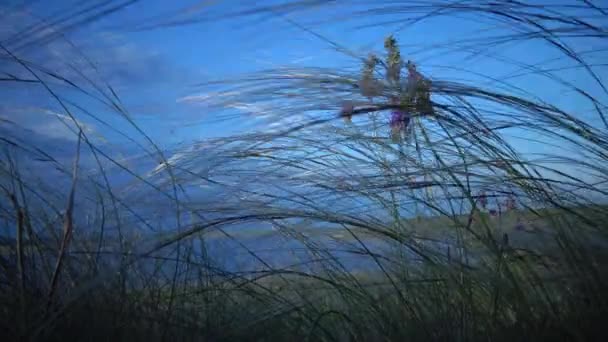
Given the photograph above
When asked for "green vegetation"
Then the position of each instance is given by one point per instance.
(401, 199)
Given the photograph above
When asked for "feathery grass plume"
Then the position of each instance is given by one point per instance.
(369, 85)
(393, 60)
(488, 276)
(418, 92)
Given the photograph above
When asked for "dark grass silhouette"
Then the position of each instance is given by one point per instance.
(385, 236)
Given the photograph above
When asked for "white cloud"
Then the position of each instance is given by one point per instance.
(106, 56)
(36, 123)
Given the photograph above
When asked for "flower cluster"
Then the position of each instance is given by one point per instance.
(393, 60)
(368, 84)
(418, 91)
(412, 97)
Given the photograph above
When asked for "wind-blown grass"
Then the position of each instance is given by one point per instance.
(367, 238)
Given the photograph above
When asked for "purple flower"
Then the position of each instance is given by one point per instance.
(399, 122)
(397, 118)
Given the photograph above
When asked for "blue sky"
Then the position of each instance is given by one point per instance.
(152, 69)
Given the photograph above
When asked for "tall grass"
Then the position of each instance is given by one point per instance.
(369, 238)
